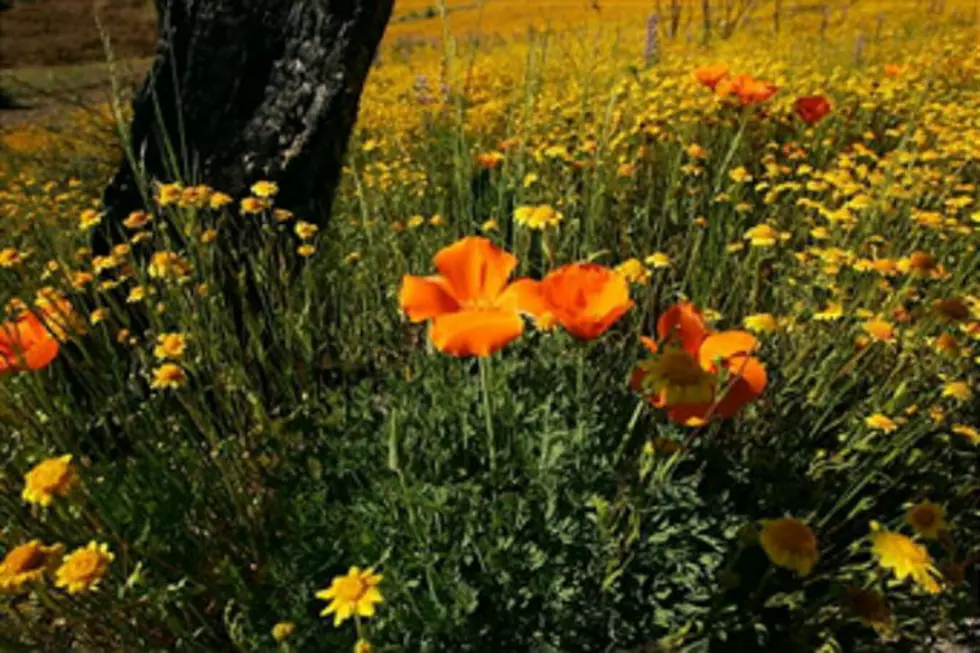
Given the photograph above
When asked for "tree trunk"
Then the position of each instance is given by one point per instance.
(243, 90)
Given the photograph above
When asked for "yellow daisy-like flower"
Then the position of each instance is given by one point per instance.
(253, 205)
(833, 311)
(658, 260)
(305, 230)
(959, 390)
(740, 175)
(88, 219)
(927, 519)
(168, 194)
(283, 630)
(49, 478)
(363, 646)
(136, 295)
(870, 607)
(219, 200)
(169, 376)
(168, 265)
(170, 345)
(99, 315)
(355, 594)
(879, 330)
(971, 434)
(790, 544)
(83, 568)
(905, 558)
(26, 564)
(677, 378)
(881, 422)
(633, 271)
(415, 222)
(537, 217)
(265, 189)
(306, 250)
(282, 215)
(764, 235)
(137, 220)
(952, 310)
(10, 257)
(760, 323)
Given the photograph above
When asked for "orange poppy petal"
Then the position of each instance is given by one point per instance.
(524, 296)
(475, 333)
(589, 327)
(423, 298)
(683, 322)
(749, 383)
(42, 353)
(649, 343)
(725, 344)
(475, 268)
(690, 414)
(26, 344)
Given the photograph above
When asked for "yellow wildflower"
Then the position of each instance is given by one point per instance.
(265, 189)
(27, 564)
(881, 422)
(170, 345)
(355, 594)
(168, 375)
(83, 568)
(790, 544)
(927, 519)
(904, 558)
(49, 478)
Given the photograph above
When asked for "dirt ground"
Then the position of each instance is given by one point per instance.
(62, 32)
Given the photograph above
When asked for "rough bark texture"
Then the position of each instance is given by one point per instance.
(243, 90)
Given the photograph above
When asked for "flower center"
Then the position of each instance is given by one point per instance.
(679, 367)
(84, 566)
(925, 517)
(350, 589)
(26, 559)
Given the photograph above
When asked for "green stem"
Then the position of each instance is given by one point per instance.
(488, 412)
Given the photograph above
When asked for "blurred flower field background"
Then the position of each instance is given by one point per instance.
(628, 333)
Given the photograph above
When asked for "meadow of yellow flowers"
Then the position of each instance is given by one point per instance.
(627, 334)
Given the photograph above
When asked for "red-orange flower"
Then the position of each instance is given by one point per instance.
(710, 76)
(26, 344)
(472, 310)
(747, 88)
(585, 298)
(893, 70)
(812, 108)
(684, 374)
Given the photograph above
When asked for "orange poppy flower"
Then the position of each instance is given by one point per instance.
(812, 109)
(585, 298)
(746, 88)
(471, 309)
(683, 376)
(893, 70)
(710, 76)
(26, 344)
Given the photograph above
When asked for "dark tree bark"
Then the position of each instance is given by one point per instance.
(243, 90)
